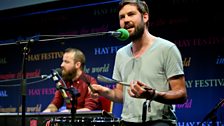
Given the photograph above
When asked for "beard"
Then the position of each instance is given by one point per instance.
(138, 32)
(69, 75)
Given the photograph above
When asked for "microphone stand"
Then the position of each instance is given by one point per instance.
(211, 115)
(26, 50)
(75, 94)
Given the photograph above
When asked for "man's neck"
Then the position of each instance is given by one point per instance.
(79, 73)
(141, 45)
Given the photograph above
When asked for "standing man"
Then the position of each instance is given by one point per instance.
(153, 68)
(72, 73)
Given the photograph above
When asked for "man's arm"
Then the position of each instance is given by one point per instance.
(114, 95)
(56, 102)
(177, 94)
(51, 108)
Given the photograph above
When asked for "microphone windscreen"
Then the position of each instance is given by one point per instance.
(124, 34)
(59, 70)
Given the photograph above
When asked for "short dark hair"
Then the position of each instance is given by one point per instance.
(141, 5)
(78, 56)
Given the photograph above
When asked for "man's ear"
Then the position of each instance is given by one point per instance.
(78, 64)
(146, 17)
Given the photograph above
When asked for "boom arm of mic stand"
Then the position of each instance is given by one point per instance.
(54, 37)
(62, 37)
(211, 114)
(65, 37)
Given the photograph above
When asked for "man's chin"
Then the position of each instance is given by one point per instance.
(66, 78)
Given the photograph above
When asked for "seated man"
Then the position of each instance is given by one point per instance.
(74, 77)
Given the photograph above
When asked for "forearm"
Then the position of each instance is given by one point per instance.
(78, 110)
(170, 97)
(177, 93)
(83, 109)
(114, 95)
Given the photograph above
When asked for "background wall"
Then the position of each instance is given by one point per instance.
(193, 26)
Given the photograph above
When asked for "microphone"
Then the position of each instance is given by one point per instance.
(44, 76)
(60, 84)
(121, 34)
(109, 80)
(85, 79)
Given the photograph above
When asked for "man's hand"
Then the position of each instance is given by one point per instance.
(97, 90)
(51, 108)
(140, 90)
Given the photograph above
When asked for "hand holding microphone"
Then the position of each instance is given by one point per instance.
(87, 80)
(96, 89)
(99, 90)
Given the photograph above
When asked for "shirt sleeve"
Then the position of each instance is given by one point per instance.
(58, 99)
(173, 63)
